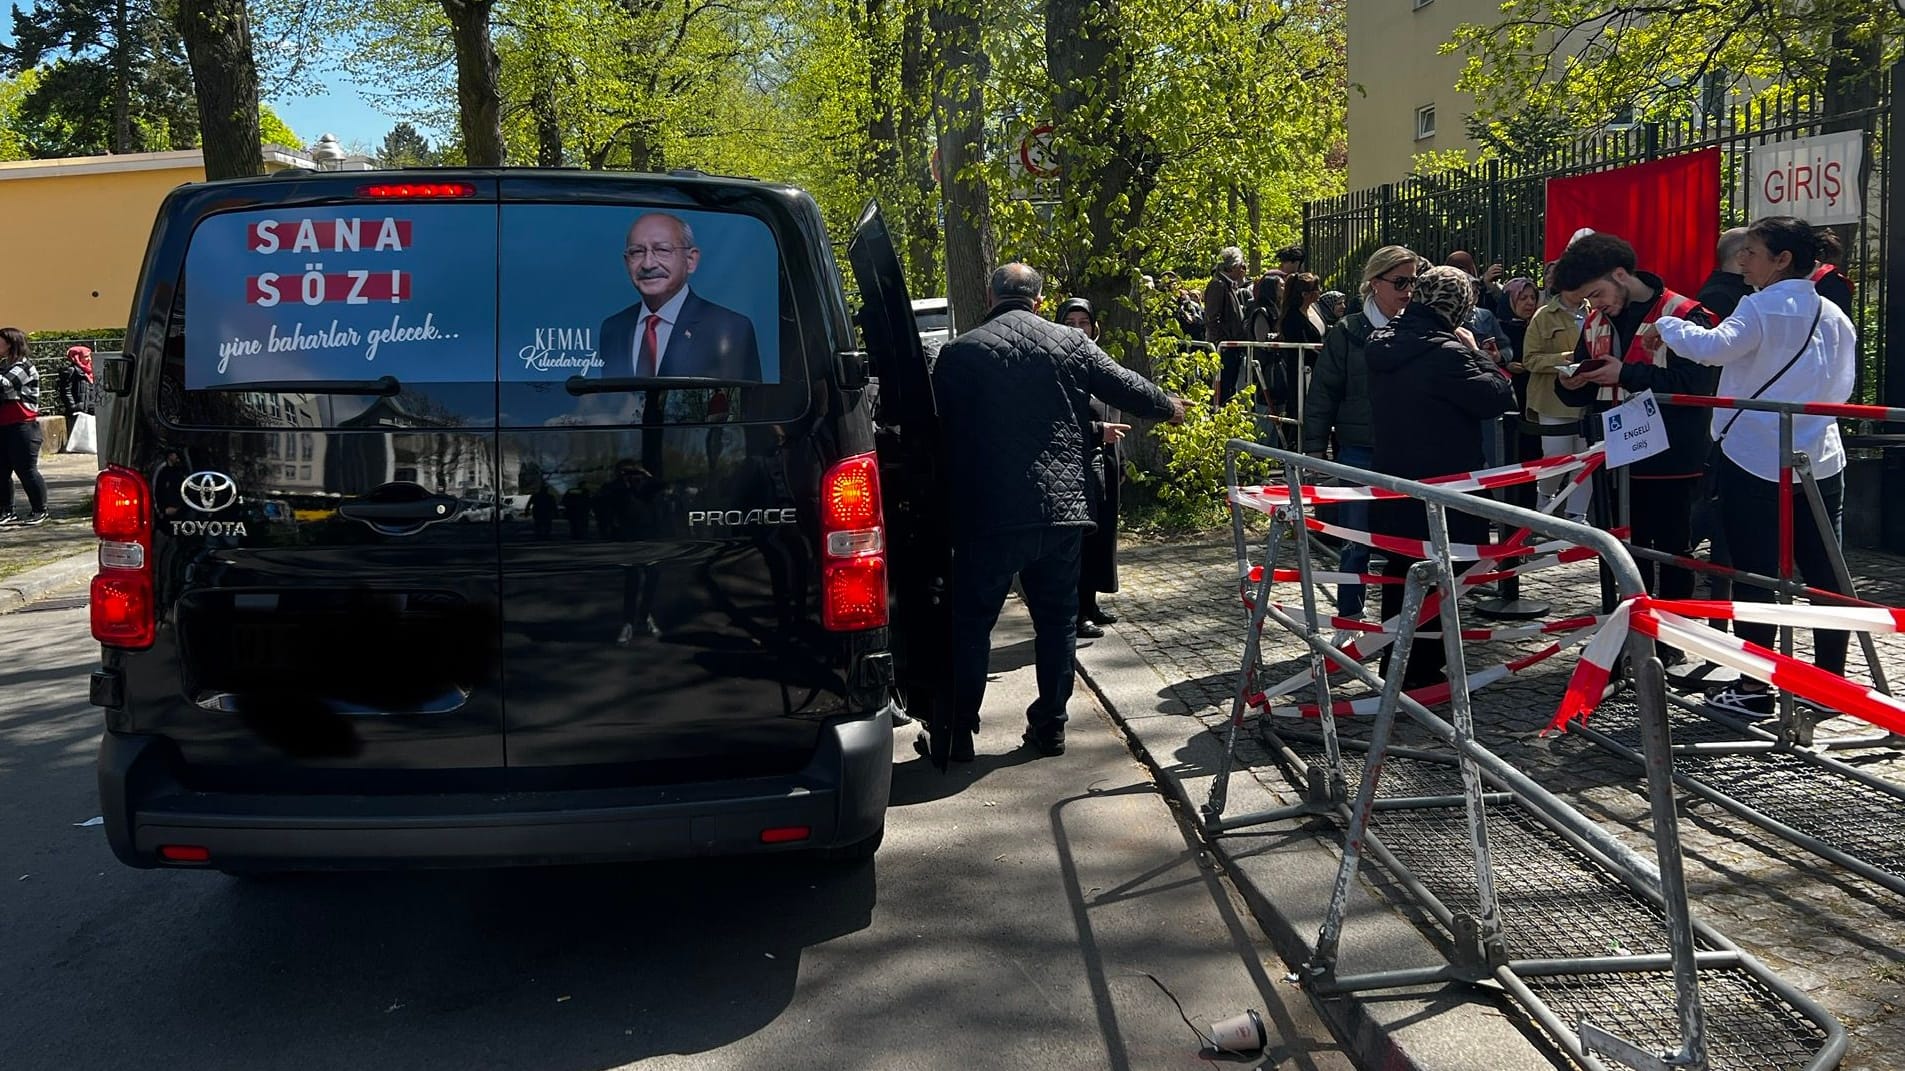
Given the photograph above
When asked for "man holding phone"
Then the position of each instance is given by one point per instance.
(1622, 353)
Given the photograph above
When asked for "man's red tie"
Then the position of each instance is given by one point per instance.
(645, 364)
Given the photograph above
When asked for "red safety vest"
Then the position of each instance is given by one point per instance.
(1646, 346)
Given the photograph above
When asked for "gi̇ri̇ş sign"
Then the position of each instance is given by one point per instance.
(1815, 179)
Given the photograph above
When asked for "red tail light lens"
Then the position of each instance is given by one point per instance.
(853, 541)
(418, 191)
(124, 610)
(185, 853)
(855, 595)
(850, 496)
(122, 508)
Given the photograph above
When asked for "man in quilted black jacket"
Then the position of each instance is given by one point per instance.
(1014, 400)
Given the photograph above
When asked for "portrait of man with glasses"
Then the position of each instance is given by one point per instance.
(672, 331)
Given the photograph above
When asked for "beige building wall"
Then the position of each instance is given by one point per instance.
(77, 229)
(1394, 58)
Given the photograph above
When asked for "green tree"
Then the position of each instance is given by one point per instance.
(404, 146)
(1549, 69)
(112, 77)
(273, 130)
(13, 140)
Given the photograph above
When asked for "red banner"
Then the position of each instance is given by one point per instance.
(1668, 210)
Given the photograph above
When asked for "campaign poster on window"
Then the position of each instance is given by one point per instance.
(606, 291)
(349, 292)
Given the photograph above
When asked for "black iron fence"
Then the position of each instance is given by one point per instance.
(1497, 209)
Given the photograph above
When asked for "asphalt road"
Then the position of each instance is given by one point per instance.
(1004, 925)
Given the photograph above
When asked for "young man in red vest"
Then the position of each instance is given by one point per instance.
(1621, 353)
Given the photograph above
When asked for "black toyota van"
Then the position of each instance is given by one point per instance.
(324, 647)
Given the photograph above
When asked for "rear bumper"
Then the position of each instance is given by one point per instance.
(841, 796)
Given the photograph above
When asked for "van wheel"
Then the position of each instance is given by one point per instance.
(857, 852)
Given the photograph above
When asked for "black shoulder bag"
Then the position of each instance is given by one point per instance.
(1710, 476)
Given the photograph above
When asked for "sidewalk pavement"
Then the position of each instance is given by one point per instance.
(59, 554)
(1168, 671)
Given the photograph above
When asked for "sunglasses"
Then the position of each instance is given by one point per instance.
(1402, 282)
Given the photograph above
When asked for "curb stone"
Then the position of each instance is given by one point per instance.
(22, 588)
(1284, 872)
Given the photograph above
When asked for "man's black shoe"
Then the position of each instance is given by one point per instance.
(1089, 631)
(961, 750)
(1046, 744)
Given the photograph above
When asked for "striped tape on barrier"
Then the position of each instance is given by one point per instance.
(1432, 694)
(1663, 621)
(1477, 635)
(1266, 497)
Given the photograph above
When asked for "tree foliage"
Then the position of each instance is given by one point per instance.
(1549, 69)
(273, 130)
(111, 76)
(405, 146)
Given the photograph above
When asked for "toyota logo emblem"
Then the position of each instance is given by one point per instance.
(209, 492)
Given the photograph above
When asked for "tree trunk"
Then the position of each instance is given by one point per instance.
(920, 220)
(225, 79)
(882, 125)
(1107, 172)
(479, 98)
(1854, 70)
(959, 107)
(644, 147)
(121, 80)
(548, 126)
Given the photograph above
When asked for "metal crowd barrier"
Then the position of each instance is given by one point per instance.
(1478, 937)
(1860, 823)
(1250, 372)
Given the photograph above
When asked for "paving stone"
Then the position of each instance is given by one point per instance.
(1835, 935)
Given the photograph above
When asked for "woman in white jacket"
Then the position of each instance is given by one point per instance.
(1783, 343)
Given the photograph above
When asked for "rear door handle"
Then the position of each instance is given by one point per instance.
(400, 508)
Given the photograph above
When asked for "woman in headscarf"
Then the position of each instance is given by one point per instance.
(1104, 469)
(1430, 386)
(75, 385)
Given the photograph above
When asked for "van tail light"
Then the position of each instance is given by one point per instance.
(417, 191)
(853, 546)
(124, 611)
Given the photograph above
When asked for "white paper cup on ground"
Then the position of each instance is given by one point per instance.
(1239, 1033)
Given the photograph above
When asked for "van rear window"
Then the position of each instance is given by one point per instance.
(561, 314)
(619, 293)
(332, 294)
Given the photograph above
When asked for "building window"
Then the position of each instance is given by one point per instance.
(1425, 122)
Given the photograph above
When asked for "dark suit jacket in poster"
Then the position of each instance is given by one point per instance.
(708, 341)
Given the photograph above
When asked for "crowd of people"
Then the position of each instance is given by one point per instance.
(1428, 376)
(1440, 363)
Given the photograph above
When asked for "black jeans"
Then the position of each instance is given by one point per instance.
(1046, 562)
(1749, 510)
(1428, 660)
(1661, 513)
(20, 456)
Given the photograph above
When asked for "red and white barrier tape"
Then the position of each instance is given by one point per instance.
(1479, 635)
(1663, 621)
(1266, 497)
(1430, 694)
